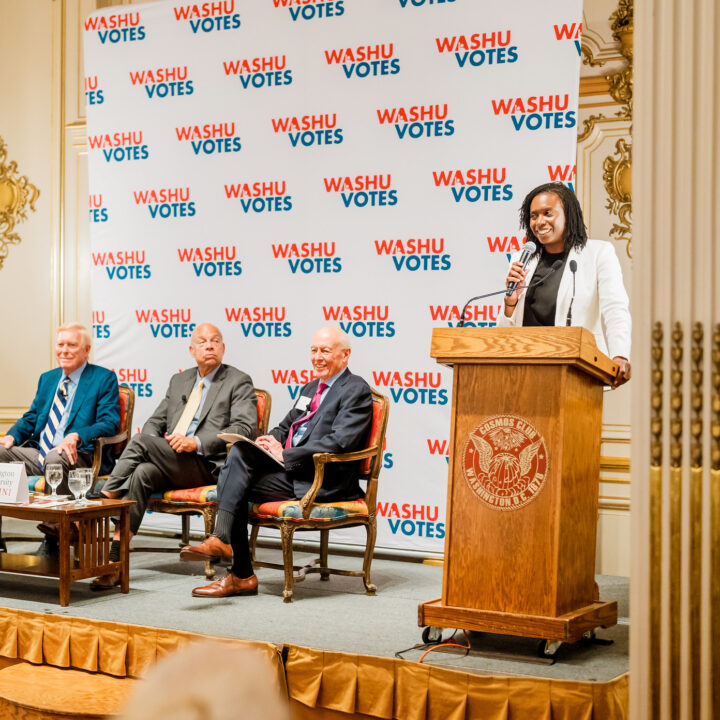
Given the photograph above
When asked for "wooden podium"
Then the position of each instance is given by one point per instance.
(523, 482)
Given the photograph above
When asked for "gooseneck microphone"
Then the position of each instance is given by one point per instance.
(555, 266)
(573, 270)
(528, 251)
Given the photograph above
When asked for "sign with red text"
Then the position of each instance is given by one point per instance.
(273, 166)
(13, 483)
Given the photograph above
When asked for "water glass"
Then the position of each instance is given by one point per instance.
(87, 475)
(76, 483)
(53, 477)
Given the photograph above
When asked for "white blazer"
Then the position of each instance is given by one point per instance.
(601, 302)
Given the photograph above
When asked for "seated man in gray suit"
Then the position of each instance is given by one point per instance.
(333, 413)
(179, 445)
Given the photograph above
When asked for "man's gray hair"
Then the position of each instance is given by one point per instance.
(78, 328)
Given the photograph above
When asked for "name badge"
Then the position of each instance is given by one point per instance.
(13, 483)
(302, 403)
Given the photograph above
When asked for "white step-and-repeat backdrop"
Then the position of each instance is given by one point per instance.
(272, 166)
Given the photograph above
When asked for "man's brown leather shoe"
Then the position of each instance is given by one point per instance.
(105, 582)
(212, 548)
(227, 586)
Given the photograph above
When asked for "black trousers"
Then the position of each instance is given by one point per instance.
(149, 465)
(248, 476)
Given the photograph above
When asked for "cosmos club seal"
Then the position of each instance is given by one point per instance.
(505, 462)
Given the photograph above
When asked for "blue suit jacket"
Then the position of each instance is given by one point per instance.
(95, 410)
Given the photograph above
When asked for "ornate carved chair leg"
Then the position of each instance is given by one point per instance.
(253, 540)
(324, 537)
(371, 528)
(185, 530)
(286, 533)
(209, 514)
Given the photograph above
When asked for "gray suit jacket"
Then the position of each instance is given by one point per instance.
(230, 406)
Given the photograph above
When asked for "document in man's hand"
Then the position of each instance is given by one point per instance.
(233, 438)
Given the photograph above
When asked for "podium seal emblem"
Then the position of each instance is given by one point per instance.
(505, 462)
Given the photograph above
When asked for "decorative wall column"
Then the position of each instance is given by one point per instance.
(603, 185)
(675, 590)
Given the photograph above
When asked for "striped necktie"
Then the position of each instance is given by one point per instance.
(314, 405)
(54, 419)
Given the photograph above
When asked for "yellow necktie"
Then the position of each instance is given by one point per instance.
(191, 407)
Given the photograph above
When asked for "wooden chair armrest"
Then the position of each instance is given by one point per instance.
(320, 460)
(100, 443)
(348, 457)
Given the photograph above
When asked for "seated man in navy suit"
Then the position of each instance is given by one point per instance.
(74, 404)
(333, 413)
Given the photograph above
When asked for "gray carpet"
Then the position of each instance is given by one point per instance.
(334, 615)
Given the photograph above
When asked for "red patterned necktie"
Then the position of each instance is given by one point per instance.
(314, 405)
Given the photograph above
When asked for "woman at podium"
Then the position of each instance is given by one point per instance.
(568, 279)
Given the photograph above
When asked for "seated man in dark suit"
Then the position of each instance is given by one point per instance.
(332, 414)
(74, 404)
(179, 445)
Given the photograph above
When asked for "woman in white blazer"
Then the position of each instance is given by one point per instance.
(552, 219)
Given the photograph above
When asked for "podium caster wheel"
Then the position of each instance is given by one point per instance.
(589, 635)
(431, 634)
(548, 648)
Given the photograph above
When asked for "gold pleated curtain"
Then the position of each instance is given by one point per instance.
(63, 662)
(58, 667)
(335, 686)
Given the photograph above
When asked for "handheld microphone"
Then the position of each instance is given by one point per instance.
(573, 270)
(555, 266)
(528, 251)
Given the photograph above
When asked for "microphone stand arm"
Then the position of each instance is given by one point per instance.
(482, 297)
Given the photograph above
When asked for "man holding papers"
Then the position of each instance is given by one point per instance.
(333, 414)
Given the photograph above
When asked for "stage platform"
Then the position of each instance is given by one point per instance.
(334, 615)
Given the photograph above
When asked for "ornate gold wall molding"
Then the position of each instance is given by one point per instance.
(617, 168)
(617, 176)
(696, 396)
(656, 398)
(715, 403)
(621, 84)
(17, 193)
(676, 396)
(587, 56)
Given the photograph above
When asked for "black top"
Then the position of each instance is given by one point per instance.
(541, 299)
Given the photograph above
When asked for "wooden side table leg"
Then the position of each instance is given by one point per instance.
(64, 569)
(124, 550)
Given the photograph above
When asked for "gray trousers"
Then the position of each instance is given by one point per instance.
(149, 465)
(30, 457)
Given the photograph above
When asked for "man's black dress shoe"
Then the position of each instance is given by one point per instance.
(96, 495)
(48, 548)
